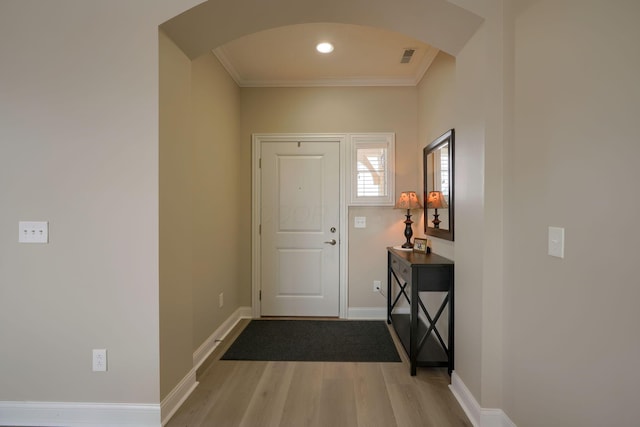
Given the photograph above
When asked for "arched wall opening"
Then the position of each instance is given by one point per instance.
(439, 23)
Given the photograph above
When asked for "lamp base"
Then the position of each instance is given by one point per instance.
(436, 221)
(408, 232)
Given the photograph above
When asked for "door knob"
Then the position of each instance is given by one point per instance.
(332, 242)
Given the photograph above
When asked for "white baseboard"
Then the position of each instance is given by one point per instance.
(367, 313)
(81, 414)
(172, 402)
(479, 417)
(177, 396)
(69, 414)
(466, 400)
(210, 344)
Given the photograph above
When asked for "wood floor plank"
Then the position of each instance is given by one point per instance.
(396, 373)
(231, 405)
(303, 398)
(406, 405)
(373, 405)
(337, 403)
(339, 370)
(267, 404)
(195, 409)
(438, 402)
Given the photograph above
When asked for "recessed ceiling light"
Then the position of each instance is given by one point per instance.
(324, 47)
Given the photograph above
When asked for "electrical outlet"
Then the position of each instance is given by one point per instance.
(376, 285)
(221, 299)
(99, 360)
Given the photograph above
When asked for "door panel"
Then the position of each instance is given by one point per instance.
(302, 272)
(300, 180)
(299, 208)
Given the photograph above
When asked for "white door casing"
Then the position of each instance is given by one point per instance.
(299, 206)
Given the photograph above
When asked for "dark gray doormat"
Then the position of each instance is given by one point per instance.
(314, 341)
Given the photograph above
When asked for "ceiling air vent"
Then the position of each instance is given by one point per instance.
(407, 55)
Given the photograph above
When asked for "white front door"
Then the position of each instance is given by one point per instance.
(300, 213)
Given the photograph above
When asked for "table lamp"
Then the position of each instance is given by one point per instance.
(408, 200)
(435, 200)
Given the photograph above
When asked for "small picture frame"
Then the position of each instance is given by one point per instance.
(420, 245)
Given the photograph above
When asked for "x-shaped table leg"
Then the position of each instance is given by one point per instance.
(432, 324)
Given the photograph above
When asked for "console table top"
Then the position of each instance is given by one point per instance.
(418, 258)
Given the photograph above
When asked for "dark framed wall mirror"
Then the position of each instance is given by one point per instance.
(438, 158)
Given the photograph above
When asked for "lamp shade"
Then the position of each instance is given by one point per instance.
(408, 200)
(435, 200)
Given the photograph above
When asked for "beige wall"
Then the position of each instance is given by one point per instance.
(573, 357)
(176, 207)
(79, 106)
(436, 115)
(220, 252)
(481, 122)
(200, 250)
(469, 210)
(356, 109)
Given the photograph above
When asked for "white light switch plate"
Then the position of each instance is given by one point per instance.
(556, 242)
(360, 222)
(33, 232)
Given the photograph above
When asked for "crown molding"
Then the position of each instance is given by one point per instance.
(427, 60)
(222, 56)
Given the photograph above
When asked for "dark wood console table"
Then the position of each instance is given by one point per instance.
(417, 272)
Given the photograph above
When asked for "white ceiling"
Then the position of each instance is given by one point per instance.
(363, 56)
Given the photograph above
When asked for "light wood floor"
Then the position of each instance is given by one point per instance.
(317, 394)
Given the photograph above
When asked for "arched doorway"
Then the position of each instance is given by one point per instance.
(211, 24)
